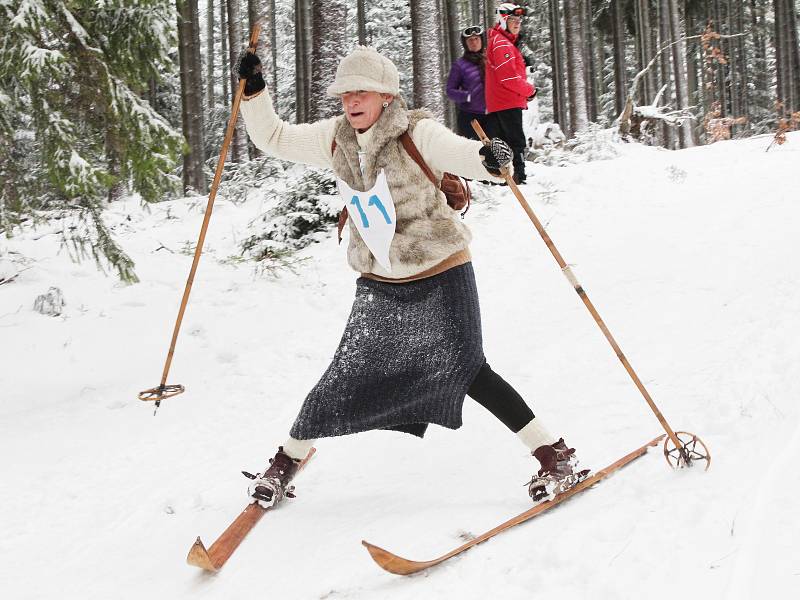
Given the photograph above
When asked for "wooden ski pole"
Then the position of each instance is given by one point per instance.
(163, 391)
(687, 450)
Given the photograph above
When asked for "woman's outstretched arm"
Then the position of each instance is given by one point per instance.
(307, 143)
(445, 151)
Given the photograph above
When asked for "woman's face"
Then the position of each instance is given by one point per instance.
(474, 43)
(362, 108)
(514, 24)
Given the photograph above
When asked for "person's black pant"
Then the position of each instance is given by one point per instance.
(493, 393)
(507, 125)
(464, 123)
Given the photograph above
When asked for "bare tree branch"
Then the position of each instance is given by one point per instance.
(624, 118)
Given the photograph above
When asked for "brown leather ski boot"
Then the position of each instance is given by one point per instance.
(558, 472)
(272, 486)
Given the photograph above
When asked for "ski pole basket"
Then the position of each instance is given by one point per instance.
(692, 450)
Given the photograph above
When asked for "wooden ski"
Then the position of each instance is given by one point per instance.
(402, 566)
(213, 558)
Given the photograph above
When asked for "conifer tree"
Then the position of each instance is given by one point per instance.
(73, 122)
(427, 42)
(389, 32)
(327, 43)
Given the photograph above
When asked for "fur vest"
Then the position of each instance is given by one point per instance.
(427, 230)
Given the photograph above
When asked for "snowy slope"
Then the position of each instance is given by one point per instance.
(691, 258)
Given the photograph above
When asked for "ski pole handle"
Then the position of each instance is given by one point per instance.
(504, 171)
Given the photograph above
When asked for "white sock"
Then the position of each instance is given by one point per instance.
(534, 435)
(297, 448)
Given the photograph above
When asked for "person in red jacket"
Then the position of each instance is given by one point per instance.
(507, 88)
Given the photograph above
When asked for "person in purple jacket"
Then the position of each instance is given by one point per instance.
(465, 82)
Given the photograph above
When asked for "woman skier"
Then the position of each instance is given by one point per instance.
(412, 346)
(465, 82)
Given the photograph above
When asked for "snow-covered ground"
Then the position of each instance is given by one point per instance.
(691, 258)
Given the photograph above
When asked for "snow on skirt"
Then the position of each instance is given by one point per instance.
(407, 357)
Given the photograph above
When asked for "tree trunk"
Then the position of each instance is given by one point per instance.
(453, 48)
(692, 54)
(646, 48)
(666, 71)
(759, 45)
(588, 57)
(722, 91)
(780, 92)
(328, 39)
(239, 151)
(427, 42)
(273, 50)
(734, 63)
(301, 62)
(793, 54)
(679, 62)
(191, 95)
(361, 22)
(576, 77)
(453, 35)
(223, 56)
(209, 54)
(488, 11)
(557, 59)
(600, 61)
(475, 12)
(741, 52)
(641, 45)
(618, 42)
(255, 11)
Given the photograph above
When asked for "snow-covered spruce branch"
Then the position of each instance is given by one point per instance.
(90, 237)
(630, 109)
(147, 131)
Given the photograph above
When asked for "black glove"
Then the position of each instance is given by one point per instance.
(496, 155)
(249, 67)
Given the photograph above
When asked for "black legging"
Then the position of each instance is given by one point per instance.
(493, 393)
(464, 123)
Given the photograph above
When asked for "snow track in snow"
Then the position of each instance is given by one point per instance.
(698, 281)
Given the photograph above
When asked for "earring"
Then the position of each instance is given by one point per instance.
(385, 104)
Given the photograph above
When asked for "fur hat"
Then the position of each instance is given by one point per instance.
(365, 69)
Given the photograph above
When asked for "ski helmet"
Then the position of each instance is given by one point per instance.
(508, 9)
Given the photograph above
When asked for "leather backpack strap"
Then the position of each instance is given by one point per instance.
(343, 213)
(342, 221)
(411, 148)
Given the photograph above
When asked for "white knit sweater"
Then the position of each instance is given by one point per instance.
(310, 143)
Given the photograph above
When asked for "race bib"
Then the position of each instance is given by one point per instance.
(372, 212)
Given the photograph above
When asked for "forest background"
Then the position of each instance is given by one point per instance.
(104, 98)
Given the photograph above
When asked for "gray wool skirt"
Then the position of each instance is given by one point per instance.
(407, 357)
